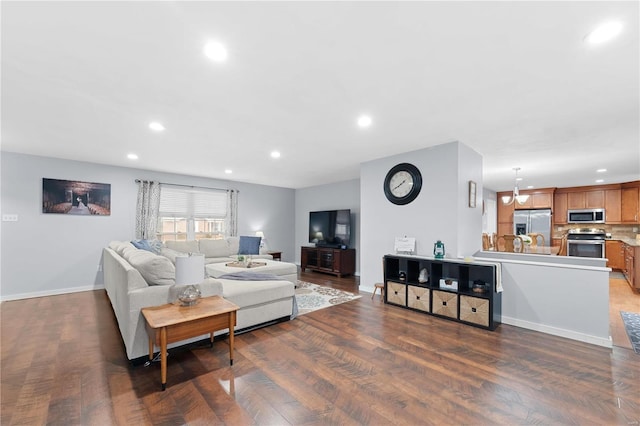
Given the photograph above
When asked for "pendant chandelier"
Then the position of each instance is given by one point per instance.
(521, 199)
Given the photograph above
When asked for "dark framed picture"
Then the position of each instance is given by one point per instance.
(76, 197)
(472, 194)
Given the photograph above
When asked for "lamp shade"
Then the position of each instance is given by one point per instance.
(189, 269)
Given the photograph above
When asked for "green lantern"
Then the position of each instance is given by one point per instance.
(438, 250)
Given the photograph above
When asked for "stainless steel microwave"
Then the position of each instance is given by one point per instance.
(585, 216)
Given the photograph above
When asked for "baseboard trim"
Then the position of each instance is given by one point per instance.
(51, 292)
(569, 334)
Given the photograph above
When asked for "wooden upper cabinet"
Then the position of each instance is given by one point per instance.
(612, 206)
(594, 199)
(560, 207)
(538, 199)
(630, 204)
(585, 199)
(576, 200)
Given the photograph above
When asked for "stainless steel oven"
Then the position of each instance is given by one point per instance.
(587, 242)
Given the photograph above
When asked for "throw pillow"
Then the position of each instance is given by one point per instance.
(153, 246)
(170, 254)
(155, 269)
(249, 245)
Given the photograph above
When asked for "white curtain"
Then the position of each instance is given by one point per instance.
(147, 209)
(232, 213)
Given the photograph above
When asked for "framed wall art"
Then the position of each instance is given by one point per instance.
(76, 197)
(472, 194)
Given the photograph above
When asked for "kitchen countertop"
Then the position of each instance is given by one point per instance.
(631, 241)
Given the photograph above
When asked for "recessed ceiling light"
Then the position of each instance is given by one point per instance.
(599, 180)
(275, 154)
(364, 121)
(215, 51)
(156, 127)
(604, 32)
(601, 170)
(132, 156)
(228, 171)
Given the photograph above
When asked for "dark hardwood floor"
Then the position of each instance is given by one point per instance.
(361, 362)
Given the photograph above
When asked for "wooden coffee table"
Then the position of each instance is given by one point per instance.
(171, 323)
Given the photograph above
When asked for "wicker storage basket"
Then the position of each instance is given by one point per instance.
(418, 298)
(445, 303)
(396, 293)
(474, 310)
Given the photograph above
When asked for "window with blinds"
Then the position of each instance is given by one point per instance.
(192, 213)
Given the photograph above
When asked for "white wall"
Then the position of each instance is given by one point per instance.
(336, 196)
(50, 253)
(440, 212)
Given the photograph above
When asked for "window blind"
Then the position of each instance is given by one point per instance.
(192, 203)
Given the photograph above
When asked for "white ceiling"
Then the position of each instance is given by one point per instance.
(512, 80)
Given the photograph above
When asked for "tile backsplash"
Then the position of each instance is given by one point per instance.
(617, 231)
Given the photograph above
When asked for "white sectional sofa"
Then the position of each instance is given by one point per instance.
(136, 278)
(215, 251)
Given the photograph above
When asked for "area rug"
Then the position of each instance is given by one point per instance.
(312, 297)
(632, 326)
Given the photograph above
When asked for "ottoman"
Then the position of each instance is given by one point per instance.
(286, 271)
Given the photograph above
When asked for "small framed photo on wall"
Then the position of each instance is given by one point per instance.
(472, 194)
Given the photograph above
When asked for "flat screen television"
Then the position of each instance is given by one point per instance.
(330, 228)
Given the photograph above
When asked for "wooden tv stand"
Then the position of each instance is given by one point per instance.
(340, 262)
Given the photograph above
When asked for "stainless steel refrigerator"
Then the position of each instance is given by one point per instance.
(527, 221)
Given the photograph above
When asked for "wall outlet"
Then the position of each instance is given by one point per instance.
(9, 217)
(635, 229)
(99, 268)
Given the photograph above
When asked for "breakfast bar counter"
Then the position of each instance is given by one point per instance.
(560, 295)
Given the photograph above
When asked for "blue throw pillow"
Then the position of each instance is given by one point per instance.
(153, 246)
(249, 245)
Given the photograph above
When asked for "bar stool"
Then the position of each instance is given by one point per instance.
(376, 287)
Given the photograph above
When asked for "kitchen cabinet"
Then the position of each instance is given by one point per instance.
(335, 261)
(593, 199)
(560, 207)
(614, 251)
(612, 205)
(538, 199)
(630, 204)
(575, 200)
(505, 215)
(632, 265)
(505, 228)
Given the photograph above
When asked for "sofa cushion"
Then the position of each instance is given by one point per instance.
(234, 245)
(155, 269)
(249, 245)
(209, 260)
(190, 246)
(215, 248)
(170, 254)
(252, 293)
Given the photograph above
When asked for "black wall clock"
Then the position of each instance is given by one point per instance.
(402, 184)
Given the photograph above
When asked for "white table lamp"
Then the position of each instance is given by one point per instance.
(189, 273)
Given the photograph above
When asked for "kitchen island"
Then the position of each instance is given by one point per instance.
(559, 295)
